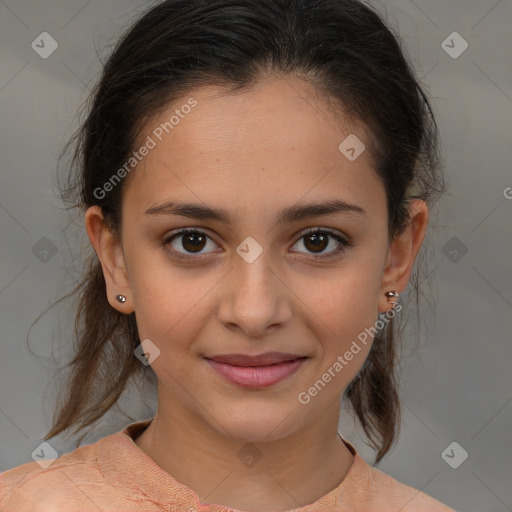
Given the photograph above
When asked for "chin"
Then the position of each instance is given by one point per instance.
(258, 424)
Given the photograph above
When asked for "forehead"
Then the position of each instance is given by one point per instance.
(278, 138)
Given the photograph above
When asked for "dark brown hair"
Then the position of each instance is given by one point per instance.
(343, 48)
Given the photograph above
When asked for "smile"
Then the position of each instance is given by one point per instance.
(257, 376)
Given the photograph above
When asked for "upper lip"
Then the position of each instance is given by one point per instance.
(265, 359)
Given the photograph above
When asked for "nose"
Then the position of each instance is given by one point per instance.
(255, 300)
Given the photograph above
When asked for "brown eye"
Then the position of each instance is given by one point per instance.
(189, 241)
(193, 242)
(317, 241)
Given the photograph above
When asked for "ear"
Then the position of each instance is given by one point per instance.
(402, 252)
(110, 253)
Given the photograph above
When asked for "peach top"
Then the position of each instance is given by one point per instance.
(114, 474)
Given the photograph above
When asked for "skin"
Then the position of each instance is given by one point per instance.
(252, 154)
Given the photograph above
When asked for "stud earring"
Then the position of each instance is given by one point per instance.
(392, 297)
(121, 299)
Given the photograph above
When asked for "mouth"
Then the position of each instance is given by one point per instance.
(256, 371)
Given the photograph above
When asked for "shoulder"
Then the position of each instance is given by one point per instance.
(413, 500)
(375, 491)
(25, 486)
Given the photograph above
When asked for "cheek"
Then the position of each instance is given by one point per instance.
(346, 300)
(345, 310)
(171, 304)
(159, 300)
(166, 312)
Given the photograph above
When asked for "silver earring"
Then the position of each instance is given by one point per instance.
(121, 299)
(392, 297)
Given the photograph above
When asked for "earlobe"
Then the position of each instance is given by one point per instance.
(109, 251)
(403, 251)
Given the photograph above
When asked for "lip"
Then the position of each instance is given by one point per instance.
(256, 371)
(264, 359)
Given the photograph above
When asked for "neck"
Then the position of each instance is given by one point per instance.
(283, 474)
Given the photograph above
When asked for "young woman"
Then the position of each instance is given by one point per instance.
(256, 179)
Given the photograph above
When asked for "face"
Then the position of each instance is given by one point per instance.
(263, 281)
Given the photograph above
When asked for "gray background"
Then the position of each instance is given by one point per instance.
(456, 382)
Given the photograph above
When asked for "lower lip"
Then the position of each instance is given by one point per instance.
(256, 376)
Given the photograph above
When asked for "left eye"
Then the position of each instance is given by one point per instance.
(319, 239)
(194, 241)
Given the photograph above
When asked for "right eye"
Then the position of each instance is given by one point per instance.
(187, 242)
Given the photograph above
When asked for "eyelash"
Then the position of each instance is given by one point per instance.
(344, 244)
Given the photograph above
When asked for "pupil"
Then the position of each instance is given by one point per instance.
(196, 245)
(318, 240)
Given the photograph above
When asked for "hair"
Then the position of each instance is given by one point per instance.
(346, 51)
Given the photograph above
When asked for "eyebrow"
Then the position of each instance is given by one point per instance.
(290, 214)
